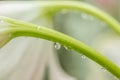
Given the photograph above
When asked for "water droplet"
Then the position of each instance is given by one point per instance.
(84, 15)
(67, 47)
(83, 57)
(57, 46)
(103, 69)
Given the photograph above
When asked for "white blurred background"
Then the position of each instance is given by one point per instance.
(26, 58)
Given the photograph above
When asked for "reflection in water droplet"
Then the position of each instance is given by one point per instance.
(57, 46)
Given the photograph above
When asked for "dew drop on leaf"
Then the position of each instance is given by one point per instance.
(57, 45)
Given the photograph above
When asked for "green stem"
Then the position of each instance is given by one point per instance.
(65, 40)
(48, 34)
(19, 28)
(50, 9)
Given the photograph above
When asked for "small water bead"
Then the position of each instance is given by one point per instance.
(88, 17)
(84, 16)
(83, 57)
(57, 45)
(68, 47)
(103, 69)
